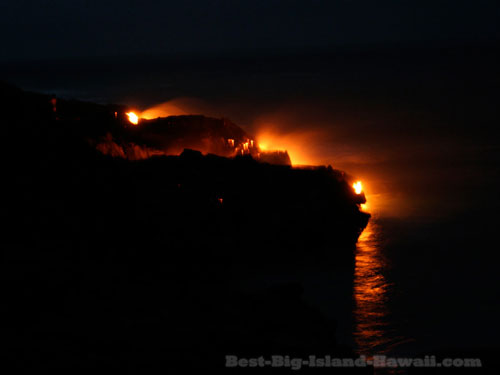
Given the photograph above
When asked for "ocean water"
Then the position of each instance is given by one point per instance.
(426, 287)
(416, 127)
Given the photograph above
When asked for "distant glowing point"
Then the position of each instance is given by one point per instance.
(357, 187)
(133, 118)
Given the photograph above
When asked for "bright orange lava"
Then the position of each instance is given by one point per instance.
(357, 187)
(133, 118)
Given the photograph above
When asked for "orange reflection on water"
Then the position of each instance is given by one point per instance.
(370, 293)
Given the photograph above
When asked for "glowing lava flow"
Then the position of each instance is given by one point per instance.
(357, 187)
(133, 118)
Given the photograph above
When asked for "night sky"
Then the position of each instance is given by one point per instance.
(35, 29)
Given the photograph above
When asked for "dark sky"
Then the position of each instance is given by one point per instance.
(72, 28)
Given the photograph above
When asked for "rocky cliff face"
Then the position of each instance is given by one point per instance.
(171, 135)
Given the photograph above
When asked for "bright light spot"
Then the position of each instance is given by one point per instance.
(357, 187)
(133, 118)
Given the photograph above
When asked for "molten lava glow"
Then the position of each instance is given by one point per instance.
(357, 187)
(133, 118)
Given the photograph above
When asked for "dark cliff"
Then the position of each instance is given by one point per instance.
(135, 264)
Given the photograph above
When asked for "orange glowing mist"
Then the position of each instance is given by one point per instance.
(298, 145)
(162, 110)
(133, 118)
(177, 107)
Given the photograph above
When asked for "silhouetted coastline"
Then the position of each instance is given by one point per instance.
(140, 264)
